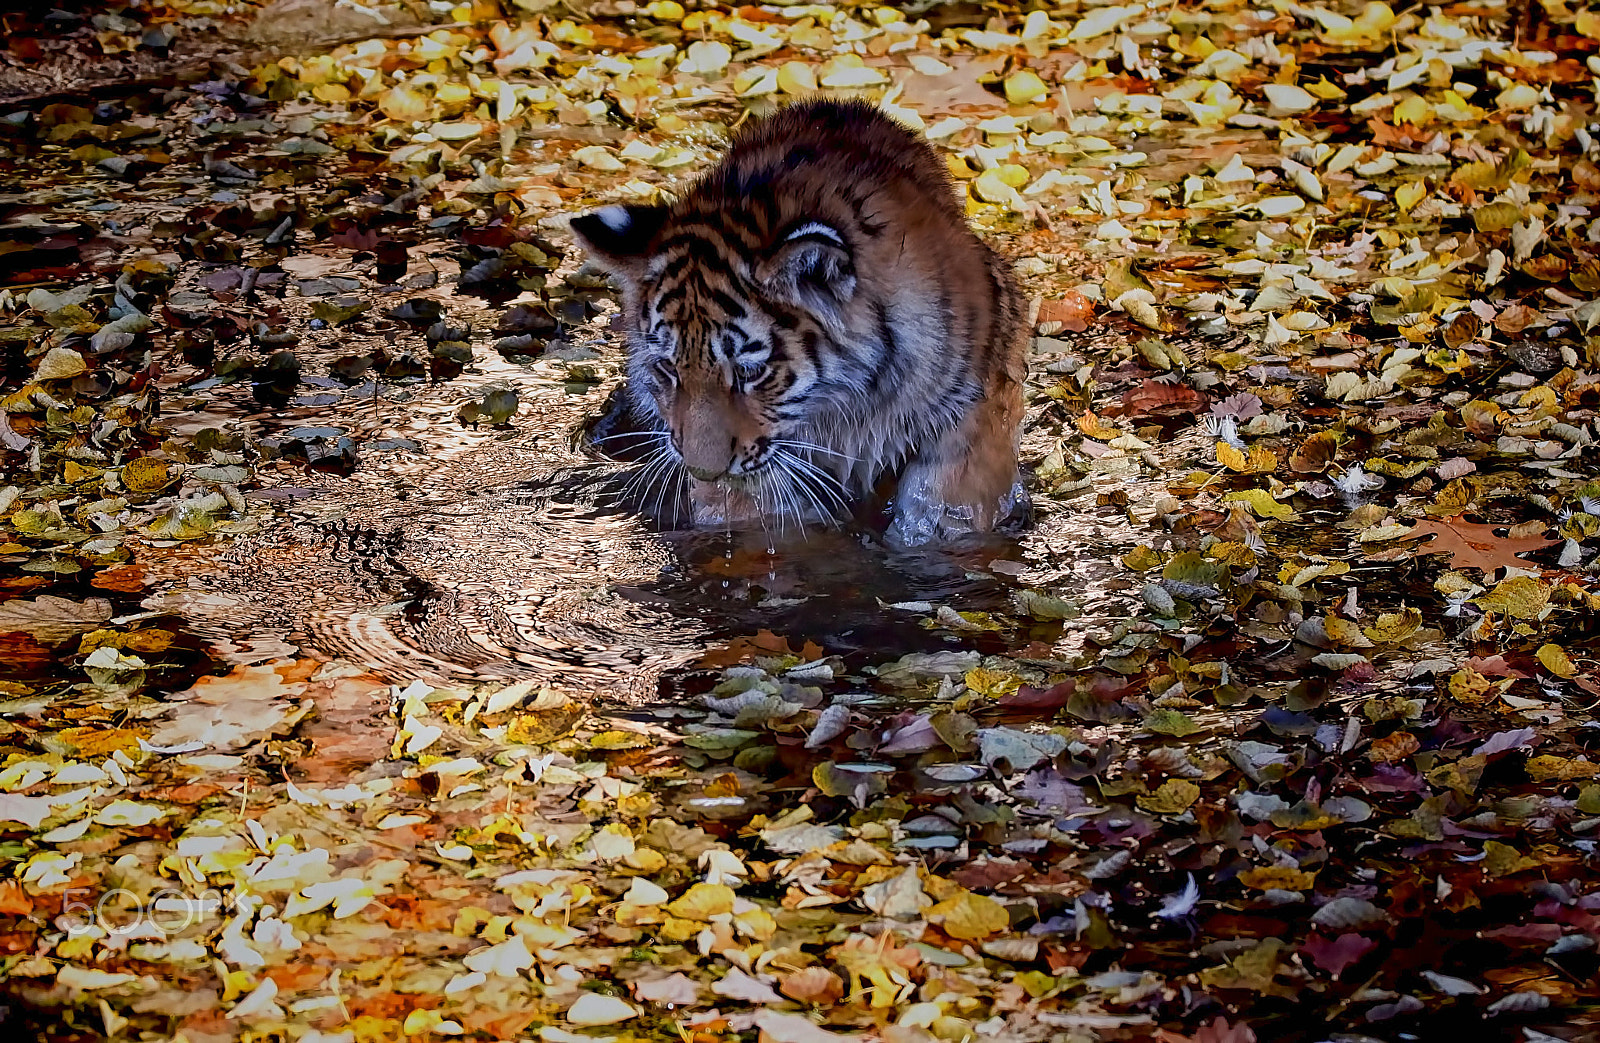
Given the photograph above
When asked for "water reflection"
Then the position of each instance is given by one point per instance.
(552, 577)
(452, 553)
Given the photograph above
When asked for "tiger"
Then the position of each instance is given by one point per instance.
(813, 323)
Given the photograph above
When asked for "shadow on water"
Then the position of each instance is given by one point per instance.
(450, 553)
(553, 578)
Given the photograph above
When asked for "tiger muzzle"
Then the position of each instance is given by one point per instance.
(706, 474)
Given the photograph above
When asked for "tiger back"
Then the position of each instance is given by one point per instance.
(814, 319)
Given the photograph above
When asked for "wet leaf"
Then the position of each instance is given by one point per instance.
(969, 917)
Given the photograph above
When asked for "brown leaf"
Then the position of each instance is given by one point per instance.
(1156, 398)
(1396, 747)
(1475, 545)
(815, 985)
(1072, 310)
(762, 643)
(1315, 453)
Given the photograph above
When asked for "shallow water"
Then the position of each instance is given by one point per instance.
(511, 554)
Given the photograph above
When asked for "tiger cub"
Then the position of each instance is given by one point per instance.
(814, 320)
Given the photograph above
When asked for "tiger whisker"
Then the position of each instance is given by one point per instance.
(813, 448)
(825, 482)
(636, 473)
(663, 480)
(806, 491)
(644, 475)
(811, 489)
(794, 503)
(645, 436)
(771, 490)
(809, 484)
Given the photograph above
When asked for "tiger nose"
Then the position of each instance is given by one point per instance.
(705, 474)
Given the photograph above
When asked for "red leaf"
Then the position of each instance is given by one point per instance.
(1220, 1031)
(1155, 397)
(1029, 698)
(1533, 933)
(1335, 955)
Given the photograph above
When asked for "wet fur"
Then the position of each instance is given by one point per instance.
(821, 287)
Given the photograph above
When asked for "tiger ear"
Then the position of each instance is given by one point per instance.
(618, 237)
(812, 267)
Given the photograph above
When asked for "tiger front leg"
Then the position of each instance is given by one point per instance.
(966, 481)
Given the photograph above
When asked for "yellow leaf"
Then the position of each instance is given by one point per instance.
(95, 743)
(1470, 688)
(796, 78)
(405, 105)
(1454, 498)
(1173, 797)
(144, 475)
(1260, 502)
(1547, 766)
(1520, 597)
(1277, 878)
(1325, 90)
(705, 58)
(991, 683)
(1013, 174)
(1409, 195)
(1345, 633)
(703, 901)
(990, 186)
(849, 71)
(1142, 558)
(1259, 460)
(1554, 659)
(1394, 627)
(1393, 748)
(1024, 87)
(1094, 427)
(969, 917)
(1414, 110)
(1503, 860)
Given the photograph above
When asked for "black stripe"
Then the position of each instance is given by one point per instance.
(670, 295)
(694, 242)
(730, 307)
(810, 343)
(888, 349)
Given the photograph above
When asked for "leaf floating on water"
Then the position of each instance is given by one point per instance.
(53, 619)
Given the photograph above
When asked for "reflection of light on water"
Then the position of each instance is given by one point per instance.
(493, 554)
(451, 578)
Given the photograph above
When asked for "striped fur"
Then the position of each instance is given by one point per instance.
(814, 316)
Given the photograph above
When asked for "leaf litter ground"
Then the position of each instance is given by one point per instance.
(1279, 726)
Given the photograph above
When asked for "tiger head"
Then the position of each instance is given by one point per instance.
(727, 325)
